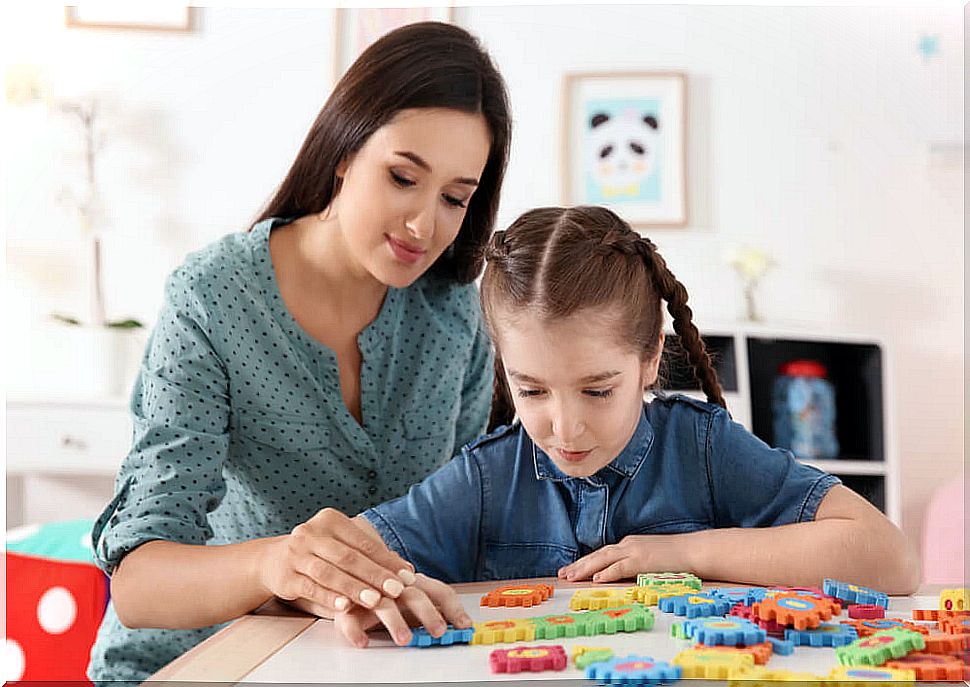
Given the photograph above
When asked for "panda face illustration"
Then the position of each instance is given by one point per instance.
(623, 150)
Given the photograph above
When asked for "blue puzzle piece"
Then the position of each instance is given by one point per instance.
(826, 634)
(421, 638)
(739, 595)
(781, 647)
(687, 605)
(730, 631)
(854, 594)
(633, 671)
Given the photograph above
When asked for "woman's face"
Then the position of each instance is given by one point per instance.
(404, 194)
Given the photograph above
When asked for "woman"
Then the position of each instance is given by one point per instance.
(330, 357)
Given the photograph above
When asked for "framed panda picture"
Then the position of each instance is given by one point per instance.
(625, 144)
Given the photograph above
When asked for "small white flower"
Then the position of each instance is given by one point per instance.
(750, 263)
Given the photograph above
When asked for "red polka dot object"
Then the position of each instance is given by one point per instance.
(866, 611)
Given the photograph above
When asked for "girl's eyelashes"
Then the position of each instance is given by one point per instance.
(594, 393)
(404, 182)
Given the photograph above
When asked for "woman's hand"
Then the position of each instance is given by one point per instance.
(634, 554)
(329, 563)
(428, 602)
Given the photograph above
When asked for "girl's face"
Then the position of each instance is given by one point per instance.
(577, 391)
(404, 194)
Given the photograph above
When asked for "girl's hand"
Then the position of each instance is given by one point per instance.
(329, 563)
(634, 554)
(428, 602)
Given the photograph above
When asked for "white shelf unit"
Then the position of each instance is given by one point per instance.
(747, 357)
(62, 455)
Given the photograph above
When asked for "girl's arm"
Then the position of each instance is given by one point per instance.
(849, 540)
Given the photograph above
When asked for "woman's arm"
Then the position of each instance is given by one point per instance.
(849, 540)
(170, 585)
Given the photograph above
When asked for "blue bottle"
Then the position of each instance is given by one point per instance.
(803, 405)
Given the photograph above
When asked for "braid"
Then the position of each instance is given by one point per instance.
(503, 412)
(675, 294)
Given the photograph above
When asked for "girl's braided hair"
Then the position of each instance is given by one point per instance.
(555, 262)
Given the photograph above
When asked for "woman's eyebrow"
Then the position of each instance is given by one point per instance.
(420, 162)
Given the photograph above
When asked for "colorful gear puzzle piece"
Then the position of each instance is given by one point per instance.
(791, 608)
(782, 647)
(512, 595)
(650, 595)
(866, 611)
(852, 593)
(880, 647)
(761, 652)
(694, 605)
(496, 631)
(585, 656)
(955, 599)
(946, 644)
(929, 666)
(608, 621)
(770, 626)
(874, 677)
(759, 676)
(718, 665)
(633, 671)
(826, 634)
(421, 638)
(724, 631)
(660, 579)
(597, 599)
(955, 625)
(739, 595)
(528, 658)
(803, 591)
(926, 614)
(867, 628)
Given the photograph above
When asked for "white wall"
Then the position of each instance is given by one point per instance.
(820, 134)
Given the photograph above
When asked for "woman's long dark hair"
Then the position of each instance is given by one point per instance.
(554, 262)
(424, 65)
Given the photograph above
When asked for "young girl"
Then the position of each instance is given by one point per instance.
(595, 483)
(328, 358)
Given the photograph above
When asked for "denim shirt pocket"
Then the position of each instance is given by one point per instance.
(510, 561)
(284, 433)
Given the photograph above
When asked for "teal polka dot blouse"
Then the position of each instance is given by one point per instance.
(240, 430)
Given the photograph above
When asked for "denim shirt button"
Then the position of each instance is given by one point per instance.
(372, 490)
(372, 474)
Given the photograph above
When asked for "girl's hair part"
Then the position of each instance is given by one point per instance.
(554, 262)
(423, 65)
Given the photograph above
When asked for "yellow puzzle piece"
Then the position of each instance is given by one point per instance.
(597, 599)
(649, 595)
(954, 599)
(495, 631)
(720, 666)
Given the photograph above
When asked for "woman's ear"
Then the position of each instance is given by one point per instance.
(650, 368)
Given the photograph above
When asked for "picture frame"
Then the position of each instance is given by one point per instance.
(624, 144)
(131, 17)
(357, 28)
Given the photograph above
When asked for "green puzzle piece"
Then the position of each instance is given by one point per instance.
(608, 621)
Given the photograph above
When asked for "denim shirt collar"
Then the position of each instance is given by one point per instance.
(627, 464)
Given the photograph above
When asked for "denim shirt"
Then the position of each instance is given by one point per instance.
(502, 509)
